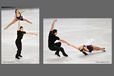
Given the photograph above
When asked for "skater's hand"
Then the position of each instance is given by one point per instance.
(35, 34)
(68, 44)
(53, 25)
(55, 20)
(23, 11)
(64, 42)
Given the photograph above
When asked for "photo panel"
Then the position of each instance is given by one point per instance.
(77, 41)
(20, 35)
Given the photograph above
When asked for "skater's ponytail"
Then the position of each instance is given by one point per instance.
(16, 11)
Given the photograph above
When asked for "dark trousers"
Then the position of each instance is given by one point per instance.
(57, 47)
(19, 47)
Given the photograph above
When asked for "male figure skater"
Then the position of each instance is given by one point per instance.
(51, 41)
(18, 42)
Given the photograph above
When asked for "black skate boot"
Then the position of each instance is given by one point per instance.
(20, 56)
(65, 55)
(56, 53)
(17, 57)
(104, 50)
(83, 52)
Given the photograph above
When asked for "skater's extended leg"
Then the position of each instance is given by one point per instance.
(96, 48)
(10, 24)
(27, 21)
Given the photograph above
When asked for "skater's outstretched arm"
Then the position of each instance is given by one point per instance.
(64, 42)
(53, 25)
(31, 33)
(75, 47)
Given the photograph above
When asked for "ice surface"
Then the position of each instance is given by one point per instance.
(79, 31)
(30, 50)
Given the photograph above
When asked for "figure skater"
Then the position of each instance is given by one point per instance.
(88, 48)
(18, 42)
(51, 41)
(17, 18)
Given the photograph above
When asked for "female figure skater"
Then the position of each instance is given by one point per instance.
(51, 41)
(17, 17)
(18, 42)
(88, 48)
